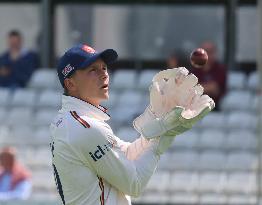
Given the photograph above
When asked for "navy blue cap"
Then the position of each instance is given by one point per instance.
(80, 57)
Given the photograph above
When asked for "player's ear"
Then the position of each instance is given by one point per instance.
(70, 84)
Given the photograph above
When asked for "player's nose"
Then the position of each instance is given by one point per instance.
(104, 75)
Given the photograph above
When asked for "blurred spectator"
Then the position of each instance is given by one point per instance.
(213, 75)
(17, 64)
(172, 60)
(14, 178)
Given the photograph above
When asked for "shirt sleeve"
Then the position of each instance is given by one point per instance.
(103, 153)
(135, 149)
(21, 191)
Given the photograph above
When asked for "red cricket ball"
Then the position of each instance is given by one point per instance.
(198, 58)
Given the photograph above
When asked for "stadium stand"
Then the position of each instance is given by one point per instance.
(253, 81)
(49, 99)
(236, 80)
(145, 79)
(5, 97)
(213, 163)
(23, 98)
(237, 100)
(124, 79)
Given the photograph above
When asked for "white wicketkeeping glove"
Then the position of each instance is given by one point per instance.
(176, 104)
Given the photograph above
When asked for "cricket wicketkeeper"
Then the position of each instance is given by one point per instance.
(91, 165)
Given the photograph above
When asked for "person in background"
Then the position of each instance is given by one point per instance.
(213, 76)
(172, 60)
(14, 178)
(17, 63)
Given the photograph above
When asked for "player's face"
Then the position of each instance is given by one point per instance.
(91, 84)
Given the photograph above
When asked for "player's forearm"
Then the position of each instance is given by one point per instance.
(145, 166)
(129, 169)
(136, 148)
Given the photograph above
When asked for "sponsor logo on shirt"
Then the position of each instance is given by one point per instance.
(100, 151)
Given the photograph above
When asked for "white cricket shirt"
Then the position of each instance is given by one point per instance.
(91, 165)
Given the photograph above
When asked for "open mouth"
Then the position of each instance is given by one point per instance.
(104, 86)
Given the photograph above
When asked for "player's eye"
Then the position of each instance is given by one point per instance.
(93, 69)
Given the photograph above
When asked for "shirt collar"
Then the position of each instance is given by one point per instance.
(70, 103)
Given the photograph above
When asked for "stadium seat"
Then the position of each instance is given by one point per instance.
(44, 116)
(212, 139)
(47, 197)
(29, 136)
(212, 182)
(110, 103)
(145, 79)
(22, 135)
(212, 161)
(57, 85)
(25, 155)
(253, 81)
(5, 95)
(19, 116)
(242, 183)
(23, 98)
(257, 100)
(184, 182)
(25, 136)
(42, 135)
(242, 161)
(213, 198)
(123, 79)
(44, 78)
(19, 136)
(125, 114)
(164, 162)
(3, 113)
(242, 199)
(236, 80)
(237, 100)
(241, 120)
(183, 160)
(34, 201)
(184, 198)
(187, 140)
(49, 99)
(159, 181)
(43, 180)
(130, 98)
(241, 139)
(40, 158)
(5, 135)
(213, 120)
(22, 153)
(128, 134)
(152, 198)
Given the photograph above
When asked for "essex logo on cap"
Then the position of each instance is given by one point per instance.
(88, 49)
(67, 69)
